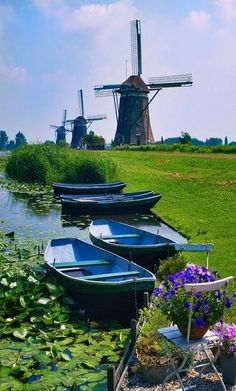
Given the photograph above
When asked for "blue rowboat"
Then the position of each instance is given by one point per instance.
(141, 246)
(105, 285)
(88, 188)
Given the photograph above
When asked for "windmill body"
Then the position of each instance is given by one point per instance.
(133, 126)
(131, 98)
(60, 130)
(82, 123)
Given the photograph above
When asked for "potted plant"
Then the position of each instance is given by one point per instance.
(227, 332)
(174, 302)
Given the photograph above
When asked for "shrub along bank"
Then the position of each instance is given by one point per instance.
(47, 163)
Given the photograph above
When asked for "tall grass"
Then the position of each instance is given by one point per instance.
(47, 163)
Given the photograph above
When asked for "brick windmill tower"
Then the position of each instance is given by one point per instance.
(132, 109)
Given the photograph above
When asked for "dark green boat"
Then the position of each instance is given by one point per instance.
(104, 204)
(105, 285)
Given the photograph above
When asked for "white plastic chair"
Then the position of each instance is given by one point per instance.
(194, 346)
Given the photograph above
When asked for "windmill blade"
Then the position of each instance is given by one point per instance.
(157, 83)
(81, 103)
(54, 126)
(98, 117)
(106, 90)
(136, 55)
(64, 117)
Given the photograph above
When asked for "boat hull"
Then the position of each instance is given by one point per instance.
(138, 204)
(93, 188)
(143, 247)
(99, 295)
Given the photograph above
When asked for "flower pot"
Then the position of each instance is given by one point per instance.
(228, 368)
(195, 332)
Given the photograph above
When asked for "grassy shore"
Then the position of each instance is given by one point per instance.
(198, 197)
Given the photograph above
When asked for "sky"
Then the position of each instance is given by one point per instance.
(49, 49)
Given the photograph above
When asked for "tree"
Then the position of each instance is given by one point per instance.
(3, 139)
(11, 145)
(185, 138)
(213, 141)
(92, 139)
(20, 139)
(226, 140)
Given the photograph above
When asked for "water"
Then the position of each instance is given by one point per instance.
(39, 217)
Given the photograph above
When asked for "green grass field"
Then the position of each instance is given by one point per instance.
(198, 197)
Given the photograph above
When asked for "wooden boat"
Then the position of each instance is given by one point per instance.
(136, 244)
(123, 203)
(113, 196)
(87, 188)
(104, 284)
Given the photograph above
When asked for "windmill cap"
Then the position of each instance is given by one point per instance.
(135, 82)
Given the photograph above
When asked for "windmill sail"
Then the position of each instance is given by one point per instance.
(136, 55)
(81, 103)
(132, 109)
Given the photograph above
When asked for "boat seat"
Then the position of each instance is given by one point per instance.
(120, 236)
(111, 275)
(91, 262)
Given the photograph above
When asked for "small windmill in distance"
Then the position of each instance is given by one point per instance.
(82, 123)
(61, 130)
(132, 109)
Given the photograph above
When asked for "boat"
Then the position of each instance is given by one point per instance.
(105, 285)
(113, 196)
(106, 204)
(87, 188)
(143, 247)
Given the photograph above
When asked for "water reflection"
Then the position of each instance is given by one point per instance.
(39, 216)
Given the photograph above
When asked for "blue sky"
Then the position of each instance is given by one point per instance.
(51, 48)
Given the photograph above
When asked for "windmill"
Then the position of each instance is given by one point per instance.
(132, 109)
(82, 123)
(61, 130)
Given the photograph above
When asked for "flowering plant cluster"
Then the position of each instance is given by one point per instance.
(174, 302)
(228, 338)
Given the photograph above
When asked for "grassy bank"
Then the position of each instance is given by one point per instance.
(199, 196)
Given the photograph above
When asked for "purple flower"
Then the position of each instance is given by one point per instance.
(157, 291)
(187, 305)
(228, 302)
(199, 322)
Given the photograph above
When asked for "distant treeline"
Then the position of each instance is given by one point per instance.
(6, 144)
(210, 142)
(188, 148)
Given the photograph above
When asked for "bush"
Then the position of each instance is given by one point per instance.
(171, 266)
(47, 163)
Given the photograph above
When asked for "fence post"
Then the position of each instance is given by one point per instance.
(111, 378)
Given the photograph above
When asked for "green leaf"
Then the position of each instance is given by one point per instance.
(20, 333)
(65, 356)
(32, 279)
(43, 300)
(22, 301)
(4, 281)
(55, 290)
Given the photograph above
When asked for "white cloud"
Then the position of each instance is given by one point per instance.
(89, 16)
(227, 9)
(200, 20)
(14, 73)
